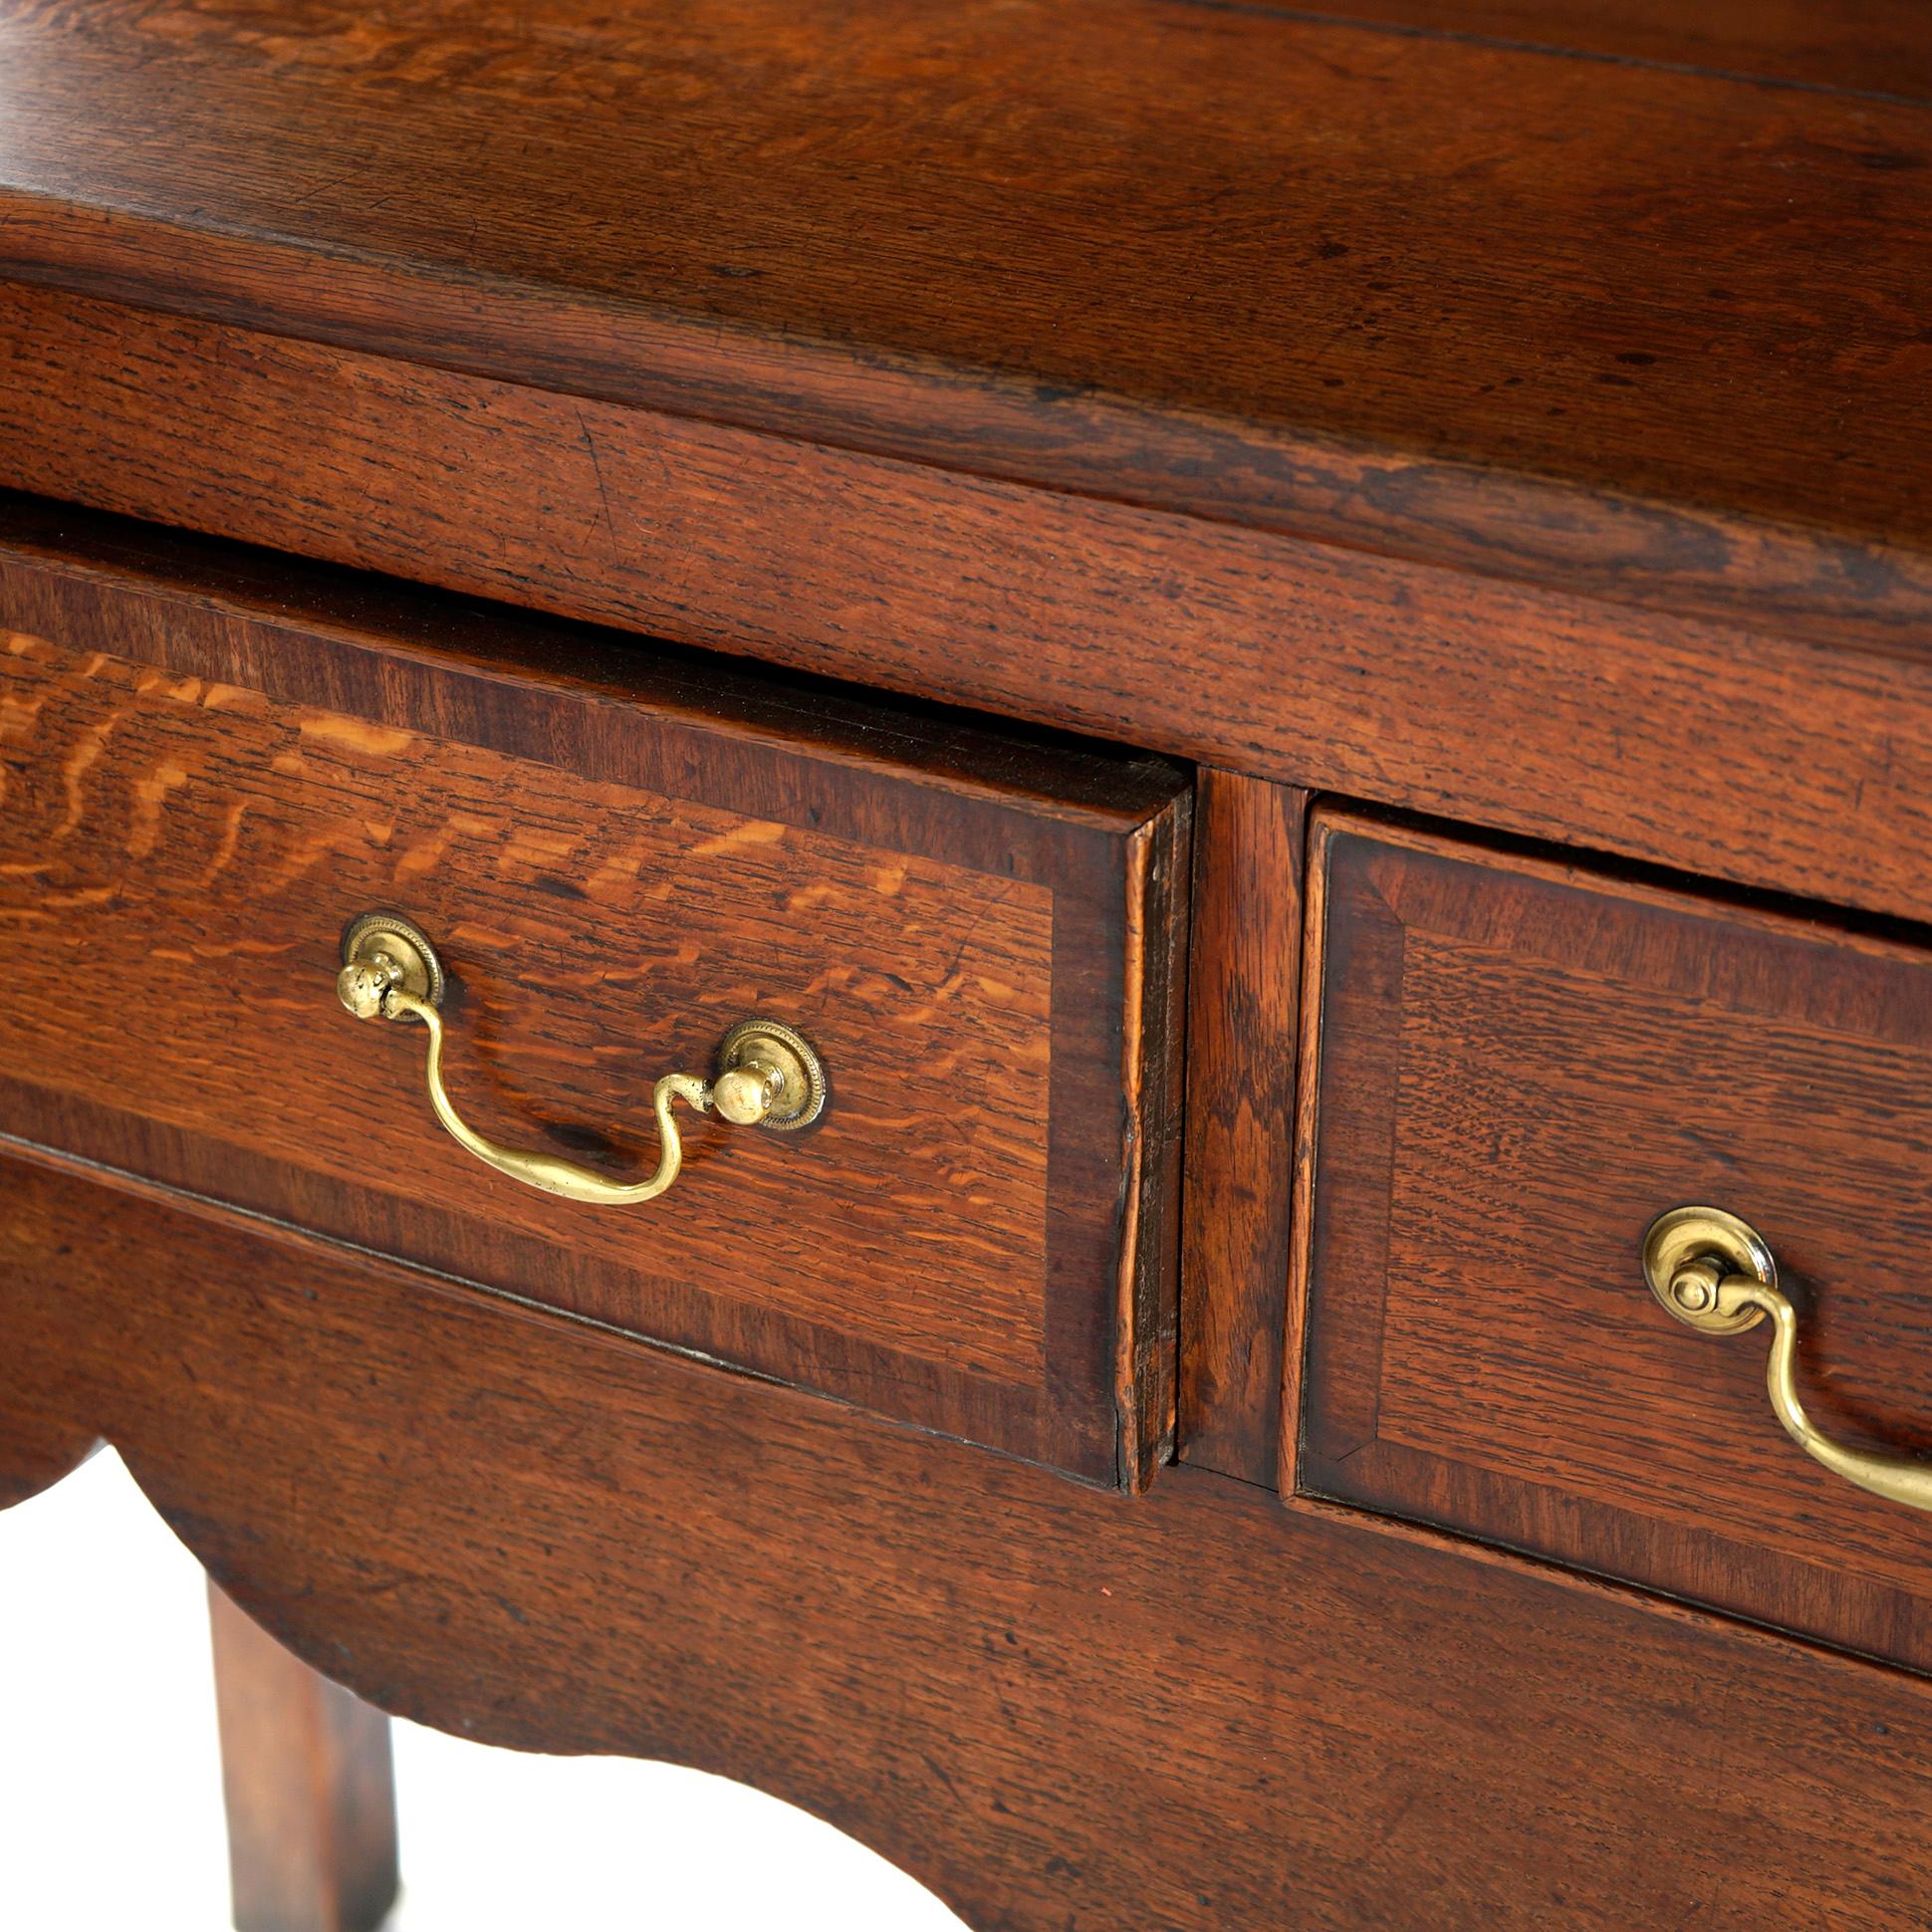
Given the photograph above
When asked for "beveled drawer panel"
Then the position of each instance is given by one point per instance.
(1515, 1066)
(617, 858)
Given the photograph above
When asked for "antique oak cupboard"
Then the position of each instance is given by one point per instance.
(1017, 912)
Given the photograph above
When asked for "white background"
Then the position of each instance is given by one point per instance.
(109, 1780)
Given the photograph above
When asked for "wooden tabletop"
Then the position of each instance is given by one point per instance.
(1482, 279)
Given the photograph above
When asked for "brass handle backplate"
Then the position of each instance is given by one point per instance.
(1717, 1275)
(767, 1075)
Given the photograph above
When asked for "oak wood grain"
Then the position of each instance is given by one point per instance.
(1519, 1065)
(1242, 1040)
(309, 1784)
(36, 1452)
(1066, 1712)
(1265, 654)
(1873, 47)
(1222, 257)
(979, 1236)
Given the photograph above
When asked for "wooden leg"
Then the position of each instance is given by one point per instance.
(309, 1786)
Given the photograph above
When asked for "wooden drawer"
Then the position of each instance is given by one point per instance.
(1513, 1067)
(213, 763)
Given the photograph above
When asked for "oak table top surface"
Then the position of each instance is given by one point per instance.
(1499, 423)
(1496, 283)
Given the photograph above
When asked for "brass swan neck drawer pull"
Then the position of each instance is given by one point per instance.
(1716, 1275)
(768, 1076)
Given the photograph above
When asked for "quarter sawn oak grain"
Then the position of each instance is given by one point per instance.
(1188, 254)
(1193, 1711)
(980, 1235)
(1281, 659)
(1519, 1065)
(1325, 402)
(1510, 413)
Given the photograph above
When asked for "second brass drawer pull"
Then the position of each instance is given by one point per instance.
(1716, 1275)
(768, 1076)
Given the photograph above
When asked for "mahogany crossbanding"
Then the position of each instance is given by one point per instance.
(980, 937)
(1516, 1066)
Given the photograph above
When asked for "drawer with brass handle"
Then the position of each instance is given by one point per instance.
(1717, 1275)
(830, 1040)
(1616, 1221)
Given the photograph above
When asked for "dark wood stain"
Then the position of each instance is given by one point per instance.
(1213, 257)
(1193, 1711)
(1518, 1066)
(980, 1235)
(1504, 413)
(1242, 1042)
(1525, 710)
(37, 1451)
(309, 1784)
(1872, 47)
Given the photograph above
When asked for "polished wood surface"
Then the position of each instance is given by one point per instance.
(1312, 663)
(1604, 422)
(1179, 253)
(982, 937)
(1242, 1042)
(36, 1452)
(1871, 47)
(309, 1784)
(1518, 1066)
(1506, 414)
(1193, 1711)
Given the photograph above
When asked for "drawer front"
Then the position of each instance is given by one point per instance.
(1512, 1067)
(615, 863)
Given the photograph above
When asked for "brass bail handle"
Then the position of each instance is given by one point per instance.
(1715, 1274)
(768, 1076)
